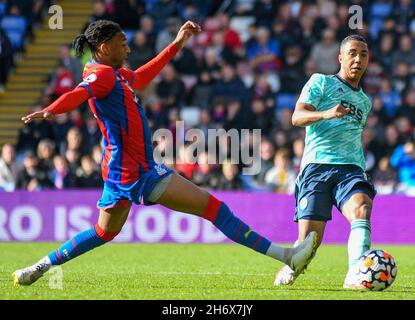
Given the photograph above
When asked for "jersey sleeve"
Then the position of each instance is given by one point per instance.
(99, 82)
(313, 90)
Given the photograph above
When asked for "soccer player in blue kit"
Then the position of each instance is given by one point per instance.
(334, 108)
(129, 171)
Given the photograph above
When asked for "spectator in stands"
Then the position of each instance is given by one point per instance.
(73, 65)
(100, 13)
(231, 38)
(171, 88)
(403, 160)
(267, 152)
(96, 155)
(77, 118)
(391, 99)
(45, 154)
(30, 134)
(141, 51)
(292, 73)
(385, 177)
(127, 13)
(91, 135)
(325, 53)
(230, 86)
(385, 52)
(62, 82)
(405, 53)
(205, 121)
(60, 126)
(264, 11)
(147, 26)
(31, 177)
(407, 109)
(6, 58)
(186, 64)
(373, 77)
(307, 37)
(262, 117)
(229, 179)
(281, 177)
(262, 89)
(298, 150)
(168, 34)
(62, 177)
(161, 11)
(264, 55)
(74, 141)
(211, 63)
(73, 158)
(14, 24)
(186, 164)
(401, 80)
(205, 175)
(199, 95)
(392, 140)
(9, 168)
(87, 176)
(236, 117)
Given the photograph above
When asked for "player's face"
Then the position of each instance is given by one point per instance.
(354, 58)
(118, 49)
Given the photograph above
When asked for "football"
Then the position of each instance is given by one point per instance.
(377, 270)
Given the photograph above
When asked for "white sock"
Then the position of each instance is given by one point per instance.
(280, 253)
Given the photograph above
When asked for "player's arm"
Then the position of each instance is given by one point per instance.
(306, 114)
(65, 103)
(307, 109)
(146, 73)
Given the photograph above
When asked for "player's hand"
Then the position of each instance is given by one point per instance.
(44, 115)
(337, 111)
(185, 33)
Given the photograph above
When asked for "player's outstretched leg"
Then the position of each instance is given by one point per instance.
(287, 275)
(109, 225)
(182, 195)
(357, 210)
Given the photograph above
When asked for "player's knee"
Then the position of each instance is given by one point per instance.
(360, 211)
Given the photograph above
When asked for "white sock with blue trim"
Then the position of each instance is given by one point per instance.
(359, 240)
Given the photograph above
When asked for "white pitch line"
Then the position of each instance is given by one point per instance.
(212, 273)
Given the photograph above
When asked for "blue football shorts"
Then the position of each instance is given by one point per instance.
(320, 186)
(138, 192)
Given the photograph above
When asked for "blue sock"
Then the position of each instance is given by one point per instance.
(81, 243)
(359, 240)
(235, 229)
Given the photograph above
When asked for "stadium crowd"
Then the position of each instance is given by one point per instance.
(244, 71)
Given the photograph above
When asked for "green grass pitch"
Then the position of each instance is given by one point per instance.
(192, 271)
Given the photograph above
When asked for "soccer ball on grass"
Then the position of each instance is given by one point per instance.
(376, 270)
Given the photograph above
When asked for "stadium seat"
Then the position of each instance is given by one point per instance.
(241, 25)
(375, 27)
(2, 9)
(190, 115)
(15, 28)
(285, 100)
(381, 10)
(130, 35)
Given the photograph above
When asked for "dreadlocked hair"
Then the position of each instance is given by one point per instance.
(95, 34)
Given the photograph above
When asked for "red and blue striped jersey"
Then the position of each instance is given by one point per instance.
(128, 151)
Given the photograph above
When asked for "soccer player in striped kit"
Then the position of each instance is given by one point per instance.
(129, 171)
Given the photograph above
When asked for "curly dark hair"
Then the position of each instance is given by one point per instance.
(95, 34)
